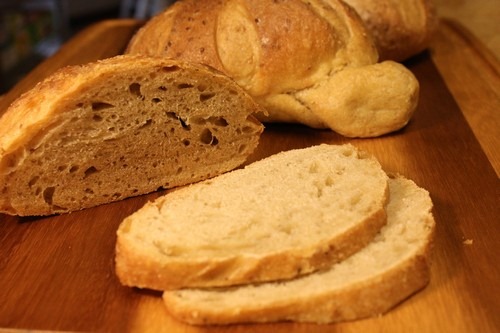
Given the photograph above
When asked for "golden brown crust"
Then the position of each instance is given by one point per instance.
(369, 298)
(275, 50)
(371, 282)
(350, 221)
(136, 268)
(80, 137)
(401, 29)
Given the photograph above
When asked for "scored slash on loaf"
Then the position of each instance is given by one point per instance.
(121, 127)
(309, 62)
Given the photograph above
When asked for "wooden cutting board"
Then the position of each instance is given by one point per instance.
(57, 273)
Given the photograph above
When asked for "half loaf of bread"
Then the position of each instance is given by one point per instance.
(289, 214)
(372, 281)
(121, 127)
(279, 51)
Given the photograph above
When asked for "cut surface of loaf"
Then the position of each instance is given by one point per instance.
(286, 215)
(369, 283)
(276, 50)
(400, 28)
(121, 127)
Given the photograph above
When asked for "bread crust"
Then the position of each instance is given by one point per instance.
(401, 29)
(276, 50)
(162, 263)
(121, 127)
(331, 296)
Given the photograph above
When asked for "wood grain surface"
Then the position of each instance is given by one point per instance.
(57, 272)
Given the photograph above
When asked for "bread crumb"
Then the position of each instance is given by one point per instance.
(468, 242)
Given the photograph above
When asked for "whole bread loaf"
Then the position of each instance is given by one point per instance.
(280, 51)
(121, 127)
(400, 28)
(287, 215)
(369, 283)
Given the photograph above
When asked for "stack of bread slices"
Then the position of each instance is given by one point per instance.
(320, 234)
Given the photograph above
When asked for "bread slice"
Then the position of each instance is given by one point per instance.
(368, 283)
(120, 127)
(280, 51)
(289, 214)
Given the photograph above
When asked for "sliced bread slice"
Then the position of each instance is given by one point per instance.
(368, 283)
(121, 127)
(289, 214)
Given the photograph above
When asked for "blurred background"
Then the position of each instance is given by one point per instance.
(31, 30)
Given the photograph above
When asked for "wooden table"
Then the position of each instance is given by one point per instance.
(57, 273)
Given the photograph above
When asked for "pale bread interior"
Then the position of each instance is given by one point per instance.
(368, 283)
(288, 214)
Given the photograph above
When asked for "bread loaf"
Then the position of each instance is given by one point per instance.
(287, 215)
(369, 283)
(121, 127)
(281, 50)
(400, 28)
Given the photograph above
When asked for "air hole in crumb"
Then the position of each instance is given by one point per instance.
(156, 100)
(201, 87)
(208, 138)
(147, 123)
(135, 89)
(355, 200)
(172, 115)
(170, 68)
(97, 106)
(89, 191)
(184, 85)
(74, 168)
(206, 96)
(186, 142)
(116, 195)
(96, 117)
(241, 149)
(313, 168)
(90, 171)
(48, 194)
(184, 125)
(247, 129)
(219, 121)
(61, 168)
(33, 181)
(11, 160)
(197, 120)
(347, 152)
(162, 88)
(179, 170)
